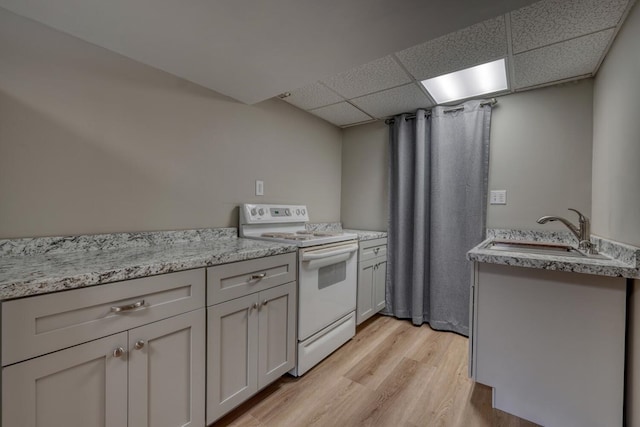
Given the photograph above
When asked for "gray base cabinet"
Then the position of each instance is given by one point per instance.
(550, 343)
(166, 374)
(372, 274)
(77, 387)
(150, 374)
(251, 338)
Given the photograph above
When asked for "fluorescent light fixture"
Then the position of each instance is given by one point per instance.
(479, 80)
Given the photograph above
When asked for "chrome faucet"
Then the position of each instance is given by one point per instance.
(582, 233)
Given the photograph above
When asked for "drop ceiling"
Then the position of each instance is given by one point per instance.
(547, 42)
(253, 50)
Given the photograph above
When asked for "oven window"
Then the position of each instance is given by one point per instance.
(332, 274)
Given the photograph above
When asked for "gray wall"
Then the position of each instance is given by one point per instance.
(364, 176)
(540, 154)
(93, 142)
(616, 171)
(616, 138)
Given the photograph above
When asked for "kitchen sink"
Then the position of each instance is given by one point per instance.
(543, 248)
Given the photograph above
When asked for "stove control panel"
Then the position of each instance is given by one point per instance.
(267, 214)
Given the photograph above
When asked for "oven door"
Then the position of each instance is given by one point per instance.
(327, 285)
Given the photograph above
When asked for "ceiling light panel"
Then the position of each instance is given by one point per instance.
(341, 114)
(573, 58)
(476, 44)
(393, 101)
(313, 96)
(479, 80)
(375, 76)
(552, 21)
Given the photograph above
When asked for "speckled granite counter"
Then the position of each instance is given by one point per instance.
(366, 234)
(337, 226)
(38, 266)
(324, 226)
(624, 260)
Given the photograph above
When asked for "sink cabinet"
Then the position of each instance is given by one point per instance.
(550, 343)
(251, 329)
(150, 372)
(372, 275)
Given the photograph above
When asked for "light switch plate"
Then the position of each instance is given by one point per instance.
(259, 188)
(498, 197)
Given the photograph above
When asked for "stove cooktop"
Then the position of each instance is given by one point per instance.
(303, 239)
(285, 224)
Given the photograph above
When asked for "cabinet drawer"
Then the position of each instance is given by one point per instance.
(42, 324)
(370, 249)
(228, 281)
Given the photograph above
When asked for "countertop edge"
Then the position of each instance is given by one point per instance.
(602, 267)
(364, 235)
(41, 286)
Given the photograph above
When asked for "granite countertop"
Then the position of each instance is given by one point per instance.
(337, 226)
(26, 271)
(623, 260)
(366, 234)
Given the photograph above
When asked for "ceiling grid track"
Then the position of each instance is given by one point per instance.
(546, 43)
(510, 62)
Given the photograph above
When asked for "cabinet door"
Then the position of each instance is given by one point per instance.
(276, 332)
(81, 386)
(366, 274)
(167, 372)
(232, 354)
(379, 284)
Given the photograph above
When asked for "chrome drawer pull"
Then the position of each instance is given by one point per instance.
(128, 307)
(258, 276)
(139, 345)
(118, 352)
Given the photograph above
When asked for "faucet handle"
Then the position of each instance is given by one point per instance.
(581, 217)
(588, 247)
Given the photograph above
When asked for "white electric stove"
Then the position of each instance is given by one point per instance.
(327, 277)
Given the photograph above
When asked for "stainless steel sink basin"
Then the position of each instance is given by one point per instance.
(557, 249)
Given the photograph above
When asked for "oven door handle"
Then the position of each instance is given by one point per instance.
(317, 255)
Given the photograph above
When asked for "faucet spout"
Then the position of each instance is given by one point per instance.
(582, 231)
(567, 223)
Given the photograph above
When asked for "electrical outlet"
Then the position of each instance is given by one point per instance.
(498, 197)
(259, 188)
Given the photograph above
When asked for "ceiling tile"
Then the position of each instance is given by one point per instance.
(394, 101)
(375, 76)
(312, 96)
(341, 114)
(473, 45)
(552, 21)
(560, 61)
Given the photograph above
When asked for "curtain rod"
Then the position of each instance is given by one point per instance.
(490, 102)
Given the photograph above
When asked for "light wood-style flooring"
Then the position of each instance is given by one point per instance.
(390, 374)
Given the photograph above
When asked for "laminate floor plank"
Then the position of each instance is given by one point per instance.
(372, 370)
(391, 374)
(342, 403)
(432, 347)
(439, 395)
(398, 395)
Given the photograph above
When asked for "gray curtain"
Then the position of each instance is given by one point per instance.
(437, 209)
